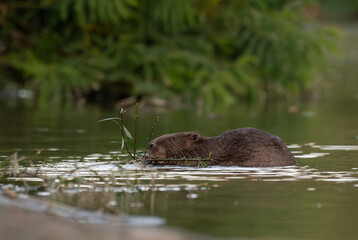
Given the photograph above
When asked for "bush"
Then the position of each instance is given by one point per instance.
(215, 51)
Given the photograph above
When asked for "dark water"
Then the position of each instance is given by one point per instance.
(315, 200)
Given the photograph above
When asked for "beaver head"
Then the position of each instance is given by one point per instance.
(176, 145)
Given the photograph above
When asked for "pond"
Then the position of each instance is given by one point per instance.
(316, 199)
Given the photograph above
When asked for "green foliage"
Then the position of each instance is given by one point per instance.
(339, 10)
(215, 51)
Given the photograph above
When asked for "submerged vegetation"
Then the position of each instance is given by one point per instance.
(201, 51)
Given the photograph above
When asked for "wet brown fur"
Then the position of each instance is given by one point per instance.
(247, 147)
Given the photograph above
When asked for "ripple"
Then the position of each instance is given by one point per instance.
(53, 149)
(294, 146)
(311, 155)
(166, 178)
(337, 147)
(98, 174)
(43, 194)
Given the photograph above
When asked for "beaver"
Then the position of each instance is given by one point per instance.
(246, 147)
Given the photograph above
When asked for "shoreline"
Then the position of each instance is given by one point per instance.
(30, 218)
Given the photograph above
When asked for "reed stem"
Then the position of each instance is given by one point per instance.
(123, 135)
(135, 130)
(152, 131)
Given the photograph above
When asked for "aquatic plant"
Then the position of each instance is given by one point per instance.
(125, 134)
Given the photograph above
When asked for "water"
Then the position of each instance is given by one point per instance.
(315, 200)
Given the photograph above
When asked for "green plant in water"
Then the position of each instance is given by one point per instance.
(125, 134)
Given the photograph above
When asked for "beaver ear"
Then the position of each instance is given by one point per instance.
(194, 137)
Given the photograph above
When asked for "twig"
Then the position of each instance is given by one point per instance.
(135, 129)
(179, 159)
(201, 161)
(152, 131)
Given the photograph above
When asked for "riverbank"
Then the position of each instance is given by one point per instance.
(52, 221)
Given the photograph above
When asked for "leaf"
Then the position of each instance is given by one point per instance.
(109, 119)
(189, 44)
(127, 132)
(114, 157)
(122, 143)
(186, 162)
(203, 163)
(132, 144)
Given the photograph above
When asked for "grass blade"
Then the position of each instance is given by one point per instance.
(127, 132)
(203, 163)
(109, 119)
(122, 143)
(132, 144)
(186, 162)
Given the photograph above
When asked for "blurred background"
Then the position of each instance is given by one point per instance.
(201, 53)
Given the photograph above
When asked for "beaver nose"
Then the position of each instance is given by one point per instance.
(150, 145)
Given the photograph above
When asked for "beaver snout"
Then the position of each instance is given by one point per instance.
(145, 159)
(151, 148)
(156, 150)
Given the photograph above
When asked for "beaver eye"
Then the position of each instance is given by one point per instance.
(171, 139)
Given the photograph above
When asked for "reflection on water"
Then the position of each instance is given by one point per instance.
(336, 147)
(222, 201)
(316, 199)
(92, 170)
(98, 169)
